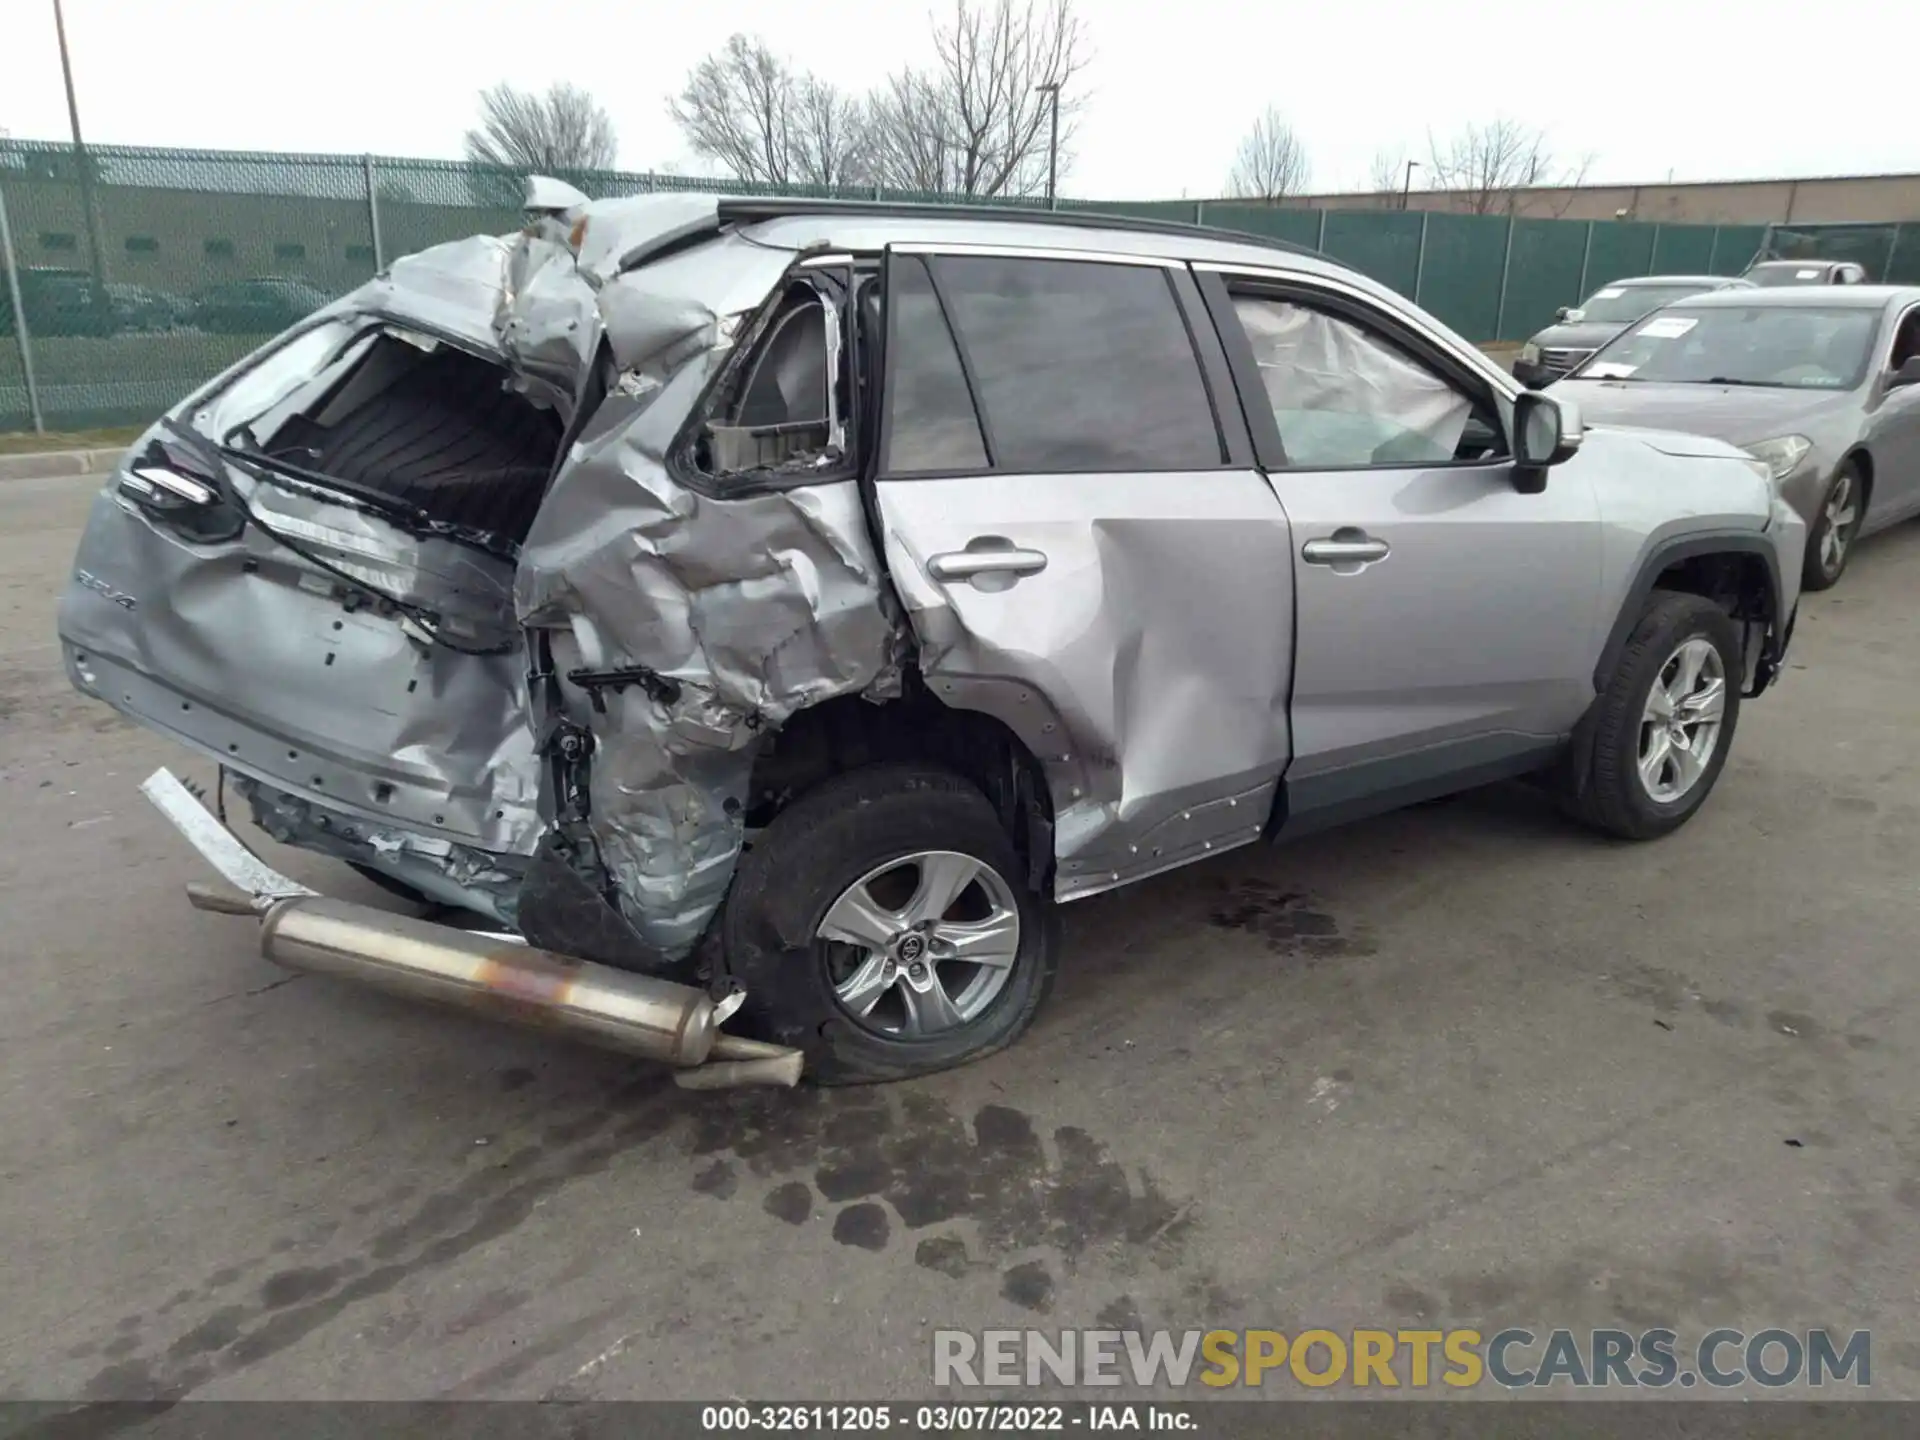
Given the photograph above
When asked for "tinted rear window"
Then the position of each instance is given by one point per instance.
(1079, 365)
(931, 424)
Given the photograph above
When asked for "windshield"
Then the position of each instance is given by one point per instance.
(1623, 304)
(1795, 347)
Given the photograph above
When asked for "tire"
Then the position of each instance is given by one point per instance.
(1602, 783)
(858, 829)
(1842, 508)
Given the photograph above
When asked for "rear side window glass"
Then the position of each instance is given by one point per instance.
(931, 424)
(1079, 365)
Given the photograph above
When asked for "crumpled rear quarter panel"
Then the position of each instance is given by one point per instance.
(756, 607)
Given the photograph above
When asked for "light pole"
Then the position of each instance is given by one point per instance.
(1051, 89)
(1406, 186)
(85, 165)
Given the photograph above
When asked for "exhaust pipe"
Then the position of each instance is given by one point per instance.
(496, 975)
(638, 1014)
(736, 1061)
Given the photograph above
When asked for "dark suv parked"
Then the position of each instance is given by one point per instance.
(1582, 329)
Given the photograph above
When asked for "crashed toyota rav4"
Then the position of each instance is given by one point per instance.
(798, 600)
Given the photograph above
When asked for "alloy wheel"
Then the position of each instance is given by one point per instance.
(920, 947)
(1680, 727)
(1837, 520)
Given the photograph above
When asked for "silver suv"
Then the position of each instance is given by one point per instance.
(805, 598)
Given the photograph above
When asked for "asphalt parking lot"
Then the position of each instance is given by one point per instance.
(1460, 1066)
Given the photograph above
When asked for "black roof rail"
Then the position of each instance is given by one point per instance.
(751, 209)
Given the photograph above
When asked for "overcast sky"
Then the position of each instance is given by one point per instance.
(1699, 88)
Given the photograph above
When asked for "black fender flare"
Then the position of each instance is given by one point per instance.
(1671, 552)
(1664, 554)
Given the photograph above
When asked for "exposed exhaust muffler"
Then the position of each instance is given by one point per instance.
(493, 974)
(639, 1014)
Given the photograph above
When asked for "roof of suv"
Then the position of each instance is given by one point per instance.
(1825, 297)
(866, 225)
(1634, 280)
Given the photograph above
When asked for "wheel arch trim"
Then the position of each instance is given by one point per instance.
(1662, 557)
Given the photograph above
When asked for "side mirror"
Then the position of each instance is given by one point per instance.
(1546, 431)
(1907, 374)
(1569, 314)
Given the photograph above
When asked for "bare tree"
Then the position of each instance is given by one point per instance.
(1271, 163)
(1387, 173)
(1489, 168)
(565, 129)
(973, 122)
(760, 119)
(831, 142)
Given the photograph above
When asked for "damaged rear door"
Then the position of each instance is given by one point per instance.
(1072, 516)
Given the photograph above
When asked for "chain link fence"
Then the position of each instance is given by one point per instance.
(133, 274)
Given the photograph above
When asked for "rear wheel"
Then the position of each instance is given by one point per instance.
(881, 925)
(1835, 527)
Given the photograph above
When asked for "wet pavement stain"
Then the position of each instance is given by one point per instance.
(717, 1180)
(879, 1162)
(946, 1254)
(791, 1202)
(480, 1206)
(864, 1225)
(1030, 1286)
(931, 1167)
(1286, 920)
(290, 1287)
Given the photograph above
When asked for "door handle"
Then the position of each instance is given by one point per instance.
(1347, 547)
(1003, 559)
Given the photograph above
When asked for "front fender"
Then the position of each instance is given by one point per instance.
(1781, 583)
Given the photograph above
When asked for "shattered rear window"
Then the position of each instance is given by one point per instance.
(400, 418)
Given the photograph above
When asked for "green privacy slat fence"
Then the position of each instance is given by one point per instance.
(153, 269)
(1889, 253)
(1296, 227)
(1384, 245)
(1544, 262)
(1460, 270)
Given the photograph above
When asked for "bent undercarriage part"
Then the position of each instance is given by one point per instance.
(496, 974)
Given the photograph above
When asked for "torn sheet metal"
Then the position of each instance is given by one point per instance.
(626, 233)
(1341, 397)
(347, 714)
(748, 609)
(452, 288)
(236, 864)
(547, 328)
(442, 870)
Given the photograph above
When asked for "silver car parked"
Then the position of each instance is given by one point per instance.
(1822, 384)
(807, 598)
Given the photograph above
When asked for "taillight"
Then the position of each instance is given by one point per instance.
(159, 483)
(150, 482)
